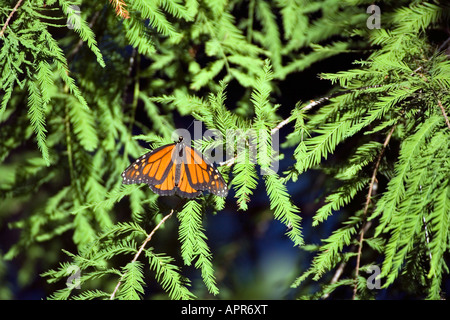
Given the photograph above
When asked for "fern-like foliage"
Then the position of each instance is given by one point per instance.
(400, 96)
(193, 243)
(87, 86)
(94, 263)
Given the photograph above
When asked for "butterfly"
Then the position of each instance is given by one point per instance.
(176, 168)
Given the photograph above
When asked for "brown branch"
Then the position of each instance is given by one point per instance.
(80, 42)
(309, 106)
(136, 256)
(435, 94)
(366, 208)
(9, 17)
(444, 44)
(443, 113)
(342, 265)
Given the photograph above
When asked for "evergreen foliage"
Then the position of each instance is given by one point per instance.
(82, 92)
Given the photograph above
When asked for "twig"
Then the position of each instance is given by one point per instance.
(366, 208)
(443, 113)
(80, 42)
(136, 256)
(309, 106)
(436, 95)
(446, 42)
(342, 265)
(281, 125)
(9, 17)
(427, 238)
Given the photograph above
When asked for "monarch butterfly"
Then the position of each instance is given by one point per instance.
(176, 168)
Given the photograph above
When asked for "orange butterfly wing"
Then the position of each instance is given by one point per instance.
(153, 168)
(176, 168)
(202, 175)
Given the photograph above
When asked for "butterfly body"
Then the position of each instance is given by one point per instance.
(176, 169)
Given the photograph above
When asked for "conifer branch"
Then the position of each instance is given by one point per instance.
(309, 106)
(80, 42)
(366, 208)
(80, 191)
(135, 92)
(220, 46)
(274, 130)
(69, 149)
(427, 238)
(444, 114)
(138, 253)
(9, 17)
(434, 92)
(119, 6)
(342, 265)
